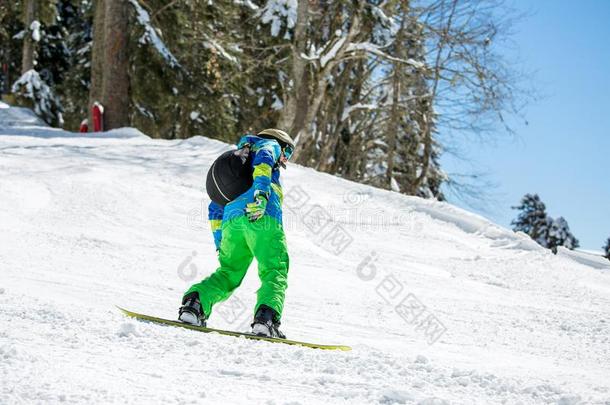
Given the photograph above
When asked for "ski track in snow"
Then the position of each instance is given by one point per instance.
(87, 223)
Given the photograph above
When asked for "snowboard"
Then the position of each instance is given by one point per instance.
(204, 329)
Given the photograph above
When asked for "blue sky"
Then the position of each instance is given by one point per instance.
(563, 154)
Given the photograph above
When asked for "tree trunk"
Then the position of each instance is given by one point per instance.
(97, 57)
(292, 117)
(30, 11)
(396, 111)
(328, 161)
(115, 85)
(307, 140)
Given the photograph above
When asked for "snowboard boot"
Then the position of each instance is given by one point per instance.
(190, 311)
(265, 323)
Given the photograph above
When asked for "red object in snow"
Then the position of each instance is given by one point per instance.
(97, 111)
(84, 125)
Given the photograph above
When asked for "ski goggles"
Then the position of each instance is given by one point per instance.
(288, 151)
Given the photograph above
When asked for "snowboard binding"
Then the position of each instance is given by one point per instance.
(265, 323)
(190, 312)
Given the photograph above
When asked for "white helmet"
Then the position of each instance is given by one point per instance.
(279, 135)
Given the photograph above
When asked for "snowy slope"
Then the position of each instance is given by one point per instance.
(87, 223)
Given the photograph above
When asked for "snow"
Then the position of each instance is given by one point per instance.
(211, 44)
(376, 50)
(20, 35)
(591, 251)
(246, 3)
(92, 222)
(278, 13)
(332, 52)
(394, 185)
(589, 259)
(46, 104)
(324, 58)
(277, 103)
(22, 122)
(99, 106)
(386, 28)
(128, 329)
(35, 28)
(17, 118)
(144, 111)
(150, 35)
(358, 106)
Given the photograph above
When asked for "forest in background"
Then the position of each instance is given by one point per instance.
(373, 91)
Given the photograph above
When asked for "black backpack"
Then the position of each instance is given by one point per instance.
(230, 176)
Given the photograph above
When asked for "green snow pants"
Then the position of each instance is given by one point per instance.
(242, 241)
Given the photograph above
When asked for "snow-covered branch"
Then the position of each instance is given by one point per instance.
(246, 3)
(44, 101)
(276, 12)
(375, 106)
(356, 107)
(332, 52)
(211, 44)
(150, 35)
(376, 50)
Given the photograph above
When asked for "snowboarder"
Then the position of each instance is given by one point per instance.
(248, 226)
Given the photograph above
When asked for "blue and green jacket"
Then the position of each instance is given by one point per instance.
(266, 175)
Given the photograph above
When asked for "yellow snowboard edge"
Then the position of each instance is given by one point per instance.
(230, 333)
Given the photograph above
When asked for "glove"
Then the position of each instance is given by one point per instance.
(256, 209)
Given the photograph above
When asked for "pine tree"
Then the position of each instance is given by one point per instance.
(607, 249)
(31, 91)
(548, 232)
(10, 48)
(33, 88)
(196, 83)
(533, 219)
(559, 235)
(74, 21)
